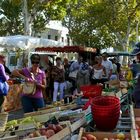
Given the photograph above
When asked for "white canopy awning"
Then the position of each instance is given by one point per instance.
(27, 42)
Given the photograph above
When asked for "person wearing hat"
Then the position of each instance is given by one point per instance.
(136, 92)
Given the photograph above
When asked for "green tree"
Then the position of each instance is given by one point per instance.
(103, 23)
(40, 12)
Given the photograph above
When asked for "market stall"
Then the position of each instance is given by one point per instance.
(95, 110)
(71, 117)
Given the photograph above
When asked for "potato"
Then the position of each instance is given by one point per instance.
(49, 133)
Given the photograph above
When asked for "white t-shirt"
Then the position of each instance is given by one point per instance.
(97, 74)
(108, 66)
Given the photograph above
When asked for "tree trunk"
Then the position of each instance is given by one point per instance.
(126, 44)
(137, 31)
(26, 18)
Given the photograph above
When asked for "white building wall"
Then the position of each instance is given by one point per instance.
(55, 28)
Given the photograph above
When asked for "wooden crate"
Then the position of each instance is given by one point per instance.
(3, 121)
(133, 114)
(78, 124)
(51, 110)
(102, 135)
(58, 136)
(62, 134)
(37, 138)
(10, 138)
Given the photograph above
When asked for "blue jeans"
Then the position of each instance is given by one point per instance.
(31, 104)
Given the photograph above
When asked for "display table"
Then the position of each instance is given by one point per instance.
(12, 101)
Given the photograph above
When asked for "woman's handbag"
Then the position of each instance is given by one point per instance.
(4, 88)
(29, 87)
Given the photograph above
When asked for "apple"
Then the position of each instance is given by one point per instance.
(53, 127)
(90, 137)
(105, 139)
(49, 133)
(58, 128)
(43, 132)
(31, 135)
(84, 138)
(36, 133)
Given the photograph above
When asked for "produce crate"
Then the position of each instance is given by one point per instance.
(78, 124)
(102, 135)
(37, 138)
(21, 134)
(60, 107)
(10, 138)
(58, 136)
(40, 112)
(81, 118)
(51, 110)
(134, 114)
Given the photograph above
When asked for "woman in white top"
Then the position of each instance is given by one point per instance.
(98, 71)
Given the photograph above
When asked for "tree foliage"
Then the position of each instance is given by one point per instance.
(40, 12)
(103, 23)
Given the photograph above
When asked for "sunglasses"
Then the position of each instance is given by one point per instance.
(35, 62)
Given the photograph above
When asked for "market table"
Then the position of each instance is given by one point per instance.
(12, 101)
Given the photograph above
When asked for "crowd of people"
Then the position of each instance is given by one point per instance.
(54, 82)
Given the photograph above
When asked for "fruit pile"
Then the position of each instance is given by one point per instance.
(88, 137)
(49, 131)
(119, 136)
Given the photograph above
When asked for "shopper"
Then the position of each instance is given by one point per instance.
(49, 89)
(133, 68)
(32, 102)
(67, 68)
(98, 71)
(59, 79)
(118, 66)
(83, 74)
(108, 65)
(136, 92)
(74, 68)
(3, 76)
(114, 75)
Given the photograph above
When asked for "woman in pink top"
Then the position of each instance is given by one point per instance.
(33, 102)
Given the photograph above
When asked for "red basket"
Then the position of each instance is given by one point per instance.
(91, 90)
(106, 112)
